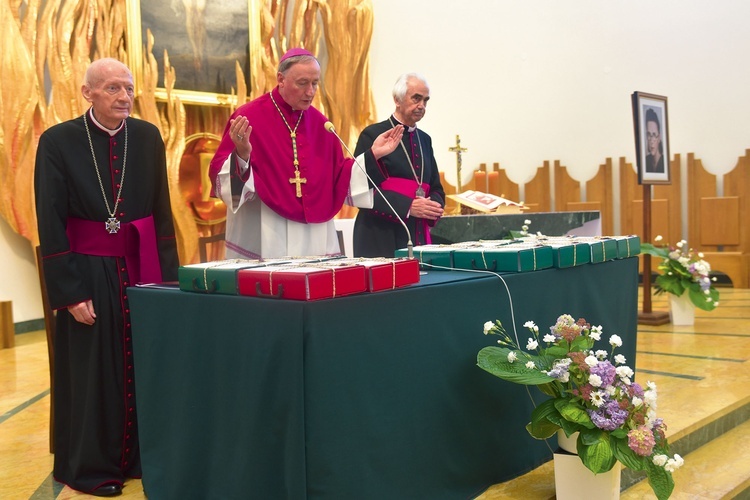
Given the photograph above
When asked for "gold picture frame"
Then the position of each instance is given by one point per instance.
(203, 46)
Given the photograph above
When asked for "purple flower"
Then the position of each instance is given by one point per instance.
(609, 416)
(606, 372)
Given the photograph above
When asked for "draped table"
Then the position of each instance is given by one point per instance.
(368, 396)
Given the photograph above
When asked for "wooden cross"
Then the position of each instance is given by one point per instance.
(298, 181)
(458, 150)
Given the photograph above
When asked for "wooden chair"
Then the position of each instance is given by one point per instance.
(49, 326)
(203, 243)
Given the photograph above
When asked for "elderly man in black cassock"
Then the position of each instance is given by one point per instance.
(408, 178)
(104, 223)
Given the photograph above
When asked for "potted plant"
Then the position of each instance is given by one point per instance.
(591, 392)
(684, 272)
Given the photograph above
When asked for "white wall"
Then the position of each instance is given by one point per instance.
(528, 81)
(534, 80)
(19, 280)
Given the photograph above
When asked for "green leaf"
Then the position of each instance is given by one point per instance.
(542, 424)
(626, 456)
(495, 361)
(660, 480)
(698, 298)
(595, 451)
(648, 248)
(573, 412)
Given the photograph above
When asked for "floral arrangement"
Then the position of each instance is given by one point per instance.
(684, 270)
(591, 392)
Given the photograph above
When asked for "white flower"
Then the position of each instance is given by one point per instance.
(532, 344)
(680, 243)
(565, 378)
(660, 460)
(596, 332)
(488, 326)
(597, 398)
(549, 338)
(624, 371)
(530, 365)
(658, 238)
(615, 341)
(591, 360)
(527, 221)
(651, 385)
(601, 354)
(511, 357)
(595, 380)
(674, 463)
(531, 326)
(637, 401)
(620, 359)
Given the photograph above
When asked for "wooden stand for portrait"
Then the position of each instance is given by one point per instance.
(647, 316)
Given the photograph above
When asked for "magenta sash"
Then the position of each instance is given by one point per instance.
(136, 241)
(408, 187)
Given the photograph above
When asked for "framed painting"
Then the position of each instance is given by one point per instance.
(202, 44)
(651, 138)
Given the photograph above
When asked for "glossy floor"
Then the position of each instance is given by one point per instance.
(702, 372)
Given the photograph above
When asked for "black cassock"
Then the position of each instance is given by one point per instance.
(96, 434)
(377, 231)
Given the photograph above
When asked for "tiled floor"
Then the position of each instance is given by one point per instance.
(702, 373)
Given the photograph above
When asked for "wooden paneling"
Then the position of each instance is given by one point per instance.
(537, 191)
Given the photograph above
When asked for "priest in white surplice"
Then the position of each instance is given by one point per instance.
(282, 175)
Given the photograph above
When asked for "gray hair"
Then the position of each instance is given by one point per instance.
(401, 85)
(291, 61)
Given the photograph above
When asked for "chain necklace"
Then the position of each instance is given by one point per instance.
(112, 225)
(293, 134)
(420, 191)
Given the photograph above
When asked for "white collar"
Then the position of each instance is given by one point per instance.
(111, 132)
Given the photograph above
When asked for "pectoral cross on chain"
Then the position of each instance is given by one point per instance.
(458, 150)
(298, 181)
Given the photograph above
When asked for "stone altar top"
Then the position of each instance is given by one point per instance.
(458, 228)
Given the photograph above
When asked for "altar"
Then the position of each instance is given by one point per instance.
(458, 228)
(367, 396)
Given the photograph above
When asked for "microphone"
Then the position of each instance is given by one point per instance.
(409, 246)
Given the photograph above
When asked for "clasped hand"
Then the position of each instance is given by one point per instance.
(425, 208)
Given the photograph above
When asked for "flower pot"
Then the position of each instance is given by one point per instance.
(681, 310)
(574, 481)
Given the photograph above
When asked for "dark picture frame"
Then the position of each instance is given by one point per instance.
(651, 126)
(203, 45)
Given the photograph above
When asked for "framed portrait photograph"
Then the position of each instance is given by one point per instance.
(651, 138)
(202, 41)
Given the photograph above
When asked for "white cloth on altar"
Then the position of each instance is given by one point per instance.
(255, 231)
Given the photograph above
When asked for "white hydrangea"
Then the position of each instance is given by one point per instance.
(596, 332)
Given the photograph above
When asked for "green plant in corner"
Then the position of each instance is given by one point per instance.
(684, 271)
(589, 393)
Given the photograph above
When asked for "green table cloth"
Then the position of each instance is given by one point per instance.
(368, 396)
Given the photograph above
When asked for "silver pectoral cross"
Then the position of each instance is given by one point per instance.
(112, 225)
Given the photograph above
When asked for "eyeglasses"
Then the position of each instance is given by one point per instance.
(652, 135)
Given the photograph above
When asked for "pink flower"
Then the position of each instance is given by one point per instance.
(641, 441)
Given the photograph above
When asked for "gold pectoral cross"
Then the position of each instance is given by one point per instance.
(298, 181)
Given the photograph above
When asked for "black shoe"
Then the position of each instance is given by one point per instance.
(108, 490)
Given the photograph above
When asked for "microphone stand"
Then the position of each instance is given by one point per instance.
(409, 246)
